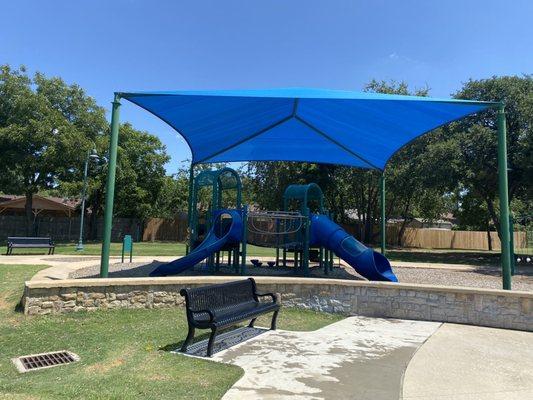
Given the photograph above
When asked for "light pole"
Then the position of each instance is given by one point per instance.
(90, 155)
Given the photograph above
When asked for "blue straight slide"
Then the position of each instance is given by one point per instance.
(211, 244)
(368, 263)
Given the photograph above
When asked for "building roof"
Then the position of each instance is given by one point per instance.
(39, 203)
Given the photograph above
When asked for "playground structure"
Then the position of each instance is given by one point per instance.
(303, 229)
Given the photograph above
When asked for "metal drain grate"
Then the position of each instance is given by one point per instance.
(44, 360)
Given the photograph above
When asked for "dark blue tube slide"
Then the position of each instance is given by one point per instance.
(211, 244)
(368, 263)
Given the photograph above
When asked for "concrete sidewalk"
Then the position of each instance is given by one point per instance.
(356, 358)
(63, 265)
(461, 362)
(379, 359)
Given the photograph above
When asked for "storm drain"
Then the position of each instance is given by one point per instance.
(44, 360)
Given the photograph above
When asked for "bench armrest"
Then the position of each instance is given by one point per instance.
(274, 298)
(209, 312)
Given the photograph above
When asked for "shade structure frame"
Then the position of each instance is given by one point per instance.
(482, 106)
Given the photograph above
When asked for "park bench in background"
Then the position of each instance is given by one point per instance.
(30, 243)
(223, 305)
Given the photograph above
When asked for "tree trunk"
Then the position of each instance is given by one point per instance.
(30, 220)
(489, 239)
(494, 216)
(404, 222)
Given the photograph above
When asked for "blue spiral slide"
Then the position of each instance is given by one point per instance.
(324, 232)
(368, 263)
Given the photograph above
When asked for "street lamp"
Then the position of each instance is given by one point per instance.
(94, 156)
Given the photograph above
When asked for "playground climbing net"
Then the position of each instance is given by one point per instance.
(281, 229)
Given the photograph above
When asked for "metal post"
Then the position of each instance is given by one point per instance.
(504, 199)
(110, 187)
(79, 247)
(189, 211)
(244, 238)
(511, 235)
(305, 252)
(383, 220)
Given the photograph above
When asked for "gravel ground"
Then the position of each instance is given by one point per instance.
(489, 278)
(135, 270)
(482, 277)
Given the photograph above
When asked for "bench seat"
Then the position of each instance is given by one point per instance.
(220, 306)
(14, 242)
(233, 315)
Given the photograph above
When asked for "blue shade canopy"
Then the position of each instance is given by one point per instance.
(357, 129)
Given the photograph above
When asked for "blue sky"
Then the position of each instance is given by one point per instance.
(130, 45)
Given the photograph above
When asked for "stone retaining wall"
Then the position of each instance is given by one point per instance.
(484, 307)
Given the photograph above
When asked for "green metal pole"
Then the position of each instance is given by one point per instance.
(504, 198)
(383, 220)
(110, 187)
(305, 252)
(244, 239)
(79, 247)
(189, 211)
(511, 235)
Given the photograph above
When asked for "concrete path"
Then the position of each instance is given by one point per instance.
(461, 362)
(63, 265)
(356, 358)
(379, 359)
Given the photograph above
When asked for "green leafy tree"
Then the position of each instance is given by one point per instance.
(476, 141)
(140, 178)
(41, 134)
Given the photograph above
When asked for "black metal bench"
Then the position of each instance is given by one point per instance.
(30, 243)
(220, 306)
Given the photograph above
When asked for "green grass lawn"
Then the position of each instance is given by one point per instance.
(480, 258)
(139, 249)
(124, 353)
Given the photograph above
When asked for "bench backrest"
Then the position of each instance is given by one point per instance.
(221, 295)
(29, 240)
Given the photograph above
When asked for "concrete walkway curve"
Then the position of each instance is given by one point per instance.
(461, 362)
(356, 358)
(380, 359)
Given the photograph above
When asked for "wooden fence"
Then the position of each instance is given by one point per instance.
(67, 229)
(176, 230)
(166, 229)
(447, 239)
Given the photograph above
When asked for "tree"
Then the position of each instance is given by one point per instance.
(140, 178)
(44, 134)
(476, 140)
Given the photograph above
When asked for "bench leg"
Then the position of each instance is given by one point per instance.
(211, 342)
(274, 320)
(187, 342)
(252, 322)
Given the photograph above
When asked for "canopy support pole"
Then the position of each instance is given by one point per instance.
(504, 199)
(382, 219)
(110, 187)
(189, 210)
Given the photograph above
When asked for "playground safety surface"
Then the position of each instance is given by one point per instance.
(445, 275)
